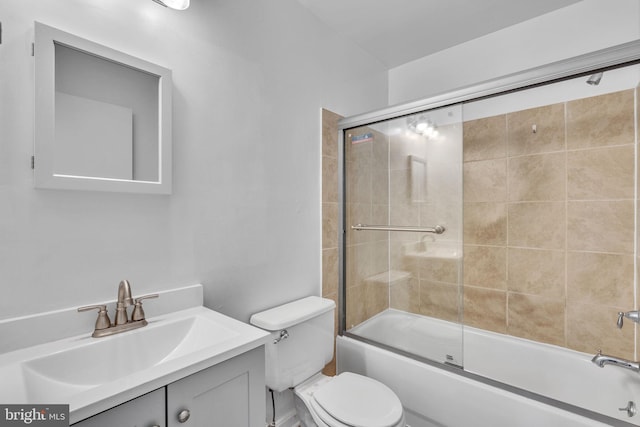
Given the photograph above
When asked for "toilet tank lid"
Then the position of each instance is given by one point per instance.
(287, 315)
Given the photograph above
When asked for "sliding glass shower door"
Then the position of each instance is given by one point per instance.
(403, 233)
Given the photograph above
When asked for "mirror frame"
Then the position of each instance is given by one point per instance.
(46, 38)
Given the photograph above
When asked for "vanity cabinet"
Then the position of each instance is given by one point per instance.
(145, 411)
(229, 394)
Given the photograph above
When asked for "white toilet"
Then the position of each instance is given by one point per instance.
(302, 345)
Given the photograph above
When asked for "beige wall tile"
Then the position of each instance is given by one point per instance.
(440, 269)
(593, 327)
(606, 173)
(440, 300)
(380, 186)
(400, 187)
(330, 368)
(485, 223)
(601, 120)
(537, 177)
(537, 225)
(403, 146)
(329, 225)
(330, 275)
(603, 279)
(536, 318)
(359, 178)
(380, 256)
(549, 135)
(376, 296)
(356, 309)
(380, 151)
(404, 214)
(357, 213)
(447, 214)
(330, 133)
(485, 181)
(485, 266)
(600, 226)
(485, 309)
(399, 259)
(518, 246)
(359, 263)
(405, 295)
(330, 271)
(329, 179)
(537, 272)
(485, 138)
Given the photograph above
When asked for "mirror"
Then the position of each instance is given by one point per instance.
(418, 169)
(102, 117)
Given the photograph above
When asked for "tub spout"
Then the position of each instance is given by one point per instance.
(602, 359)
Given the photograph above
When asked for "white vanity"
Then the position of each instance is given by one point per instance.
(188, 363)
(231, 393)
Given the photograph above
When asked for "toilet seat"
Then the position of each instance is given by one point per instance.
(352, 400)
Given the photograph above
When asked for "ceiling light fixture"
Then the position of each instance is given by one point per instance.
(422, 125)
(174, 4)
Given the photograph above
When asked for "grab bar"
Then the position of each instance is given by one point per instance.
(438, 229)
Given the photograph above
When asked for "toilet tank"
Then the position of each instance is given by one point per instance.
(303, 339)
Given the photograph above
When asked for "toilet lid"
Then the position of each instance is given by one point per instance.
(359, 401)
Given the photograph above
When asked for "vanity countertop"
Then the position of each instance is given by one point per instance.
(95, 374)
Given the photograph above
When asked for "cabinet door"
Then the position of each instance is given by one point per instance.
(230, 394)
(145, 411)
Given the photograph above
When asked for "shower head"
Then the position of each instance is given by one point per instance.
(594, 79)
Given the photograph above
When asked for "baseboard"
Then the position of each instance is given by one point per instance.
(288, 420)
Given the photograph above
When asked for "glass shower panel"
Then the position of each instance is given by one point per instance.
(403, 233)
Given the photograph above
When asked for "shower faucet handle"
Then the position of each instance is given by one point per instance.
(631, 315)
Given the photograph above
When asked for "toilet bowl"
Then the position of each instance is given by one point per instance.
(347, 400)
(302, 345)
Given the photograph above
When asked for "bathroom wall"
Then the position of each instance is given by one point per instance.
(583, 27)
(549, 222)
(250, 78)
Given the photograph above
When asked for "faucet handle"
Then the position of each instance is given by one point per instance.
(103, 321)
(138, 312)
(631, 315)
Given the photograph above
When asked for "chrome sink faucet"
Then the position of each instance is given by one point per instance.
(124, 301)
(104, 327)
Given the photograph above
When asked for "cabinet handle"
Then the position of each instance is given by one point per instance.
(184, 415)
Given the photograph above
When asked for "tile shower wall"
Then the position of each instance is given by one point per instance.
(330, 219)
(548, 227)
(391, 270)
(549, 212)
(366, 201)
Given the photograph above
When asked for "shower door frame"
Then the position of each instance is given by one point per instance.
(583, 65)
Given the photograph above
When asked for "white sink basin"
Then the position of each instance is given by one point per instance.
(93, 374)
(110, 358)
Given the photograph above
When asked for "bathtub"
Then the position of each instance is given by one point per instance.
(506, 381)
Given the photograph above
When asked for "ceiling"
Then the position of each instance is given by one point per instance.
(399, 31)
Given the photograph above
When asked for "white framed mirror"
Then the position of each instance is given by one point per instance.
(102, 117)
